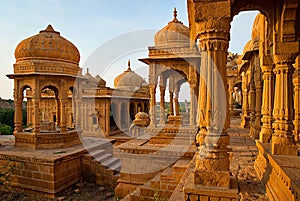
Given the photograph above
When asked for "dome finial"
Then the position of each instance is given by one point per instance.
(50, 30)
(128, 69)
(87, 71)
(175, 13)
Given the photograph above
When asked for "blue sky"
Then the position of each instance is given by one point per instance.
(91, 23)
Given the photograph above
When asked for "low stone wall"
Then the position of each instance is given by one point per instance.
(280, 174)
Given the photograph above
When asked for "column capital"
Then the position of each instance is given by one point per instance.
(285, 58)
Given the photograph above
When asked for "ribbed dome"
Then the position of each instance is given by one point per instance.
(47, 45)
(175, 34)
(248, 46)
(129, 80)
(257, 26)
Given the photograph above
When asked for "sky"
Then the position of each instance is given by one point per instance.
(93, 25)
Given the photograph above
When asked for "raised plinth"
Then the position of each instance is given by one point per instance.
(47, 140)
(279, 173)
(42, 172)
(175, 120)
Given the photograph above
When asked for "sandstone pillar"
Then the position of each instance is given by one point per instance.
(58, 113)
(176, 102)
(171, 103)
(152, 111)
(78, 114)
(212, 161)
(36, 115)
(192, 104)
(267, 104)
(296, 82)
(258, 100)
(252, 100)
(245, 104)
(283, 142)
(63, 115)
(162, 104)
(230, 92)
(18, 115)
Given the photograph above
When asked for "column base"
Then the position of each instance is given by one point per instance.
(194, 191)
(265, 135)
(212, 178)
(245, 121)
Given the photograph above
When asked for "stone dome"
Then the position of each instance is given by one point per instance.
(47, 45)
(256, 26)
(175, 34)
(97, 81)
(129, 80)
(248, 46)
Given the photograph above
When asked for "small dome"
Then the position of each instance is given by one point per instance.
(248, 46)
(141, 116)
(97, 81)
(175, 34)
(47, 45)
(101, 82)
(129, 80)
(256, 26)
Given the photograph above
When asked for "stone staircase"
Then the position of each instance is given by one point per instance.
(162, 185)
(99, 165)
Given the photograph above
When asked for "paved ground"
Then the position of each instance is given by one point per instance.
(242, 167)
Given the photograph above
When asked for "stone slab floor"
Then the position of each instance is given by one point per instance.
(244, 153)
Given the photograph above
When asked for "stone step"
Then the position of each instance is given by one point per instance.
(92, 145)
(110, 162)
(96, 153)
(116, 167)
(103, 158)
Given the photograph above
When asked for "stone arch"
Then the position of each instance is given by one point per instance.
(139, 105)
(146, 107)
(264, 7)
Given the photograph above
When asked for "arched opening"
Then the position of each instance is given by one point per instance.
(139, 107)
(146, 107)
(112, 117)
(50, 116)
(132, 111)
(124, 115)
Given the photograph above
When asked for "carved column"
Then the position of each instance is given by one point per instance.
(162, 104)
(36, 115)
(171, 103)
(58, 112)
(258, 99)
(192, 104)
(230, 92)
(176, 102)
(63, 127)
(212, 161)
(152, 111)
(18, 112)
(296, 82)
(245, 104)
(252, 100)
(283, 142)
(267, 104)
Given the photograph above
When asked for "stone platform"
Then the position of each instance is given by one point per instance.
(47, 140)
(46, 172)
